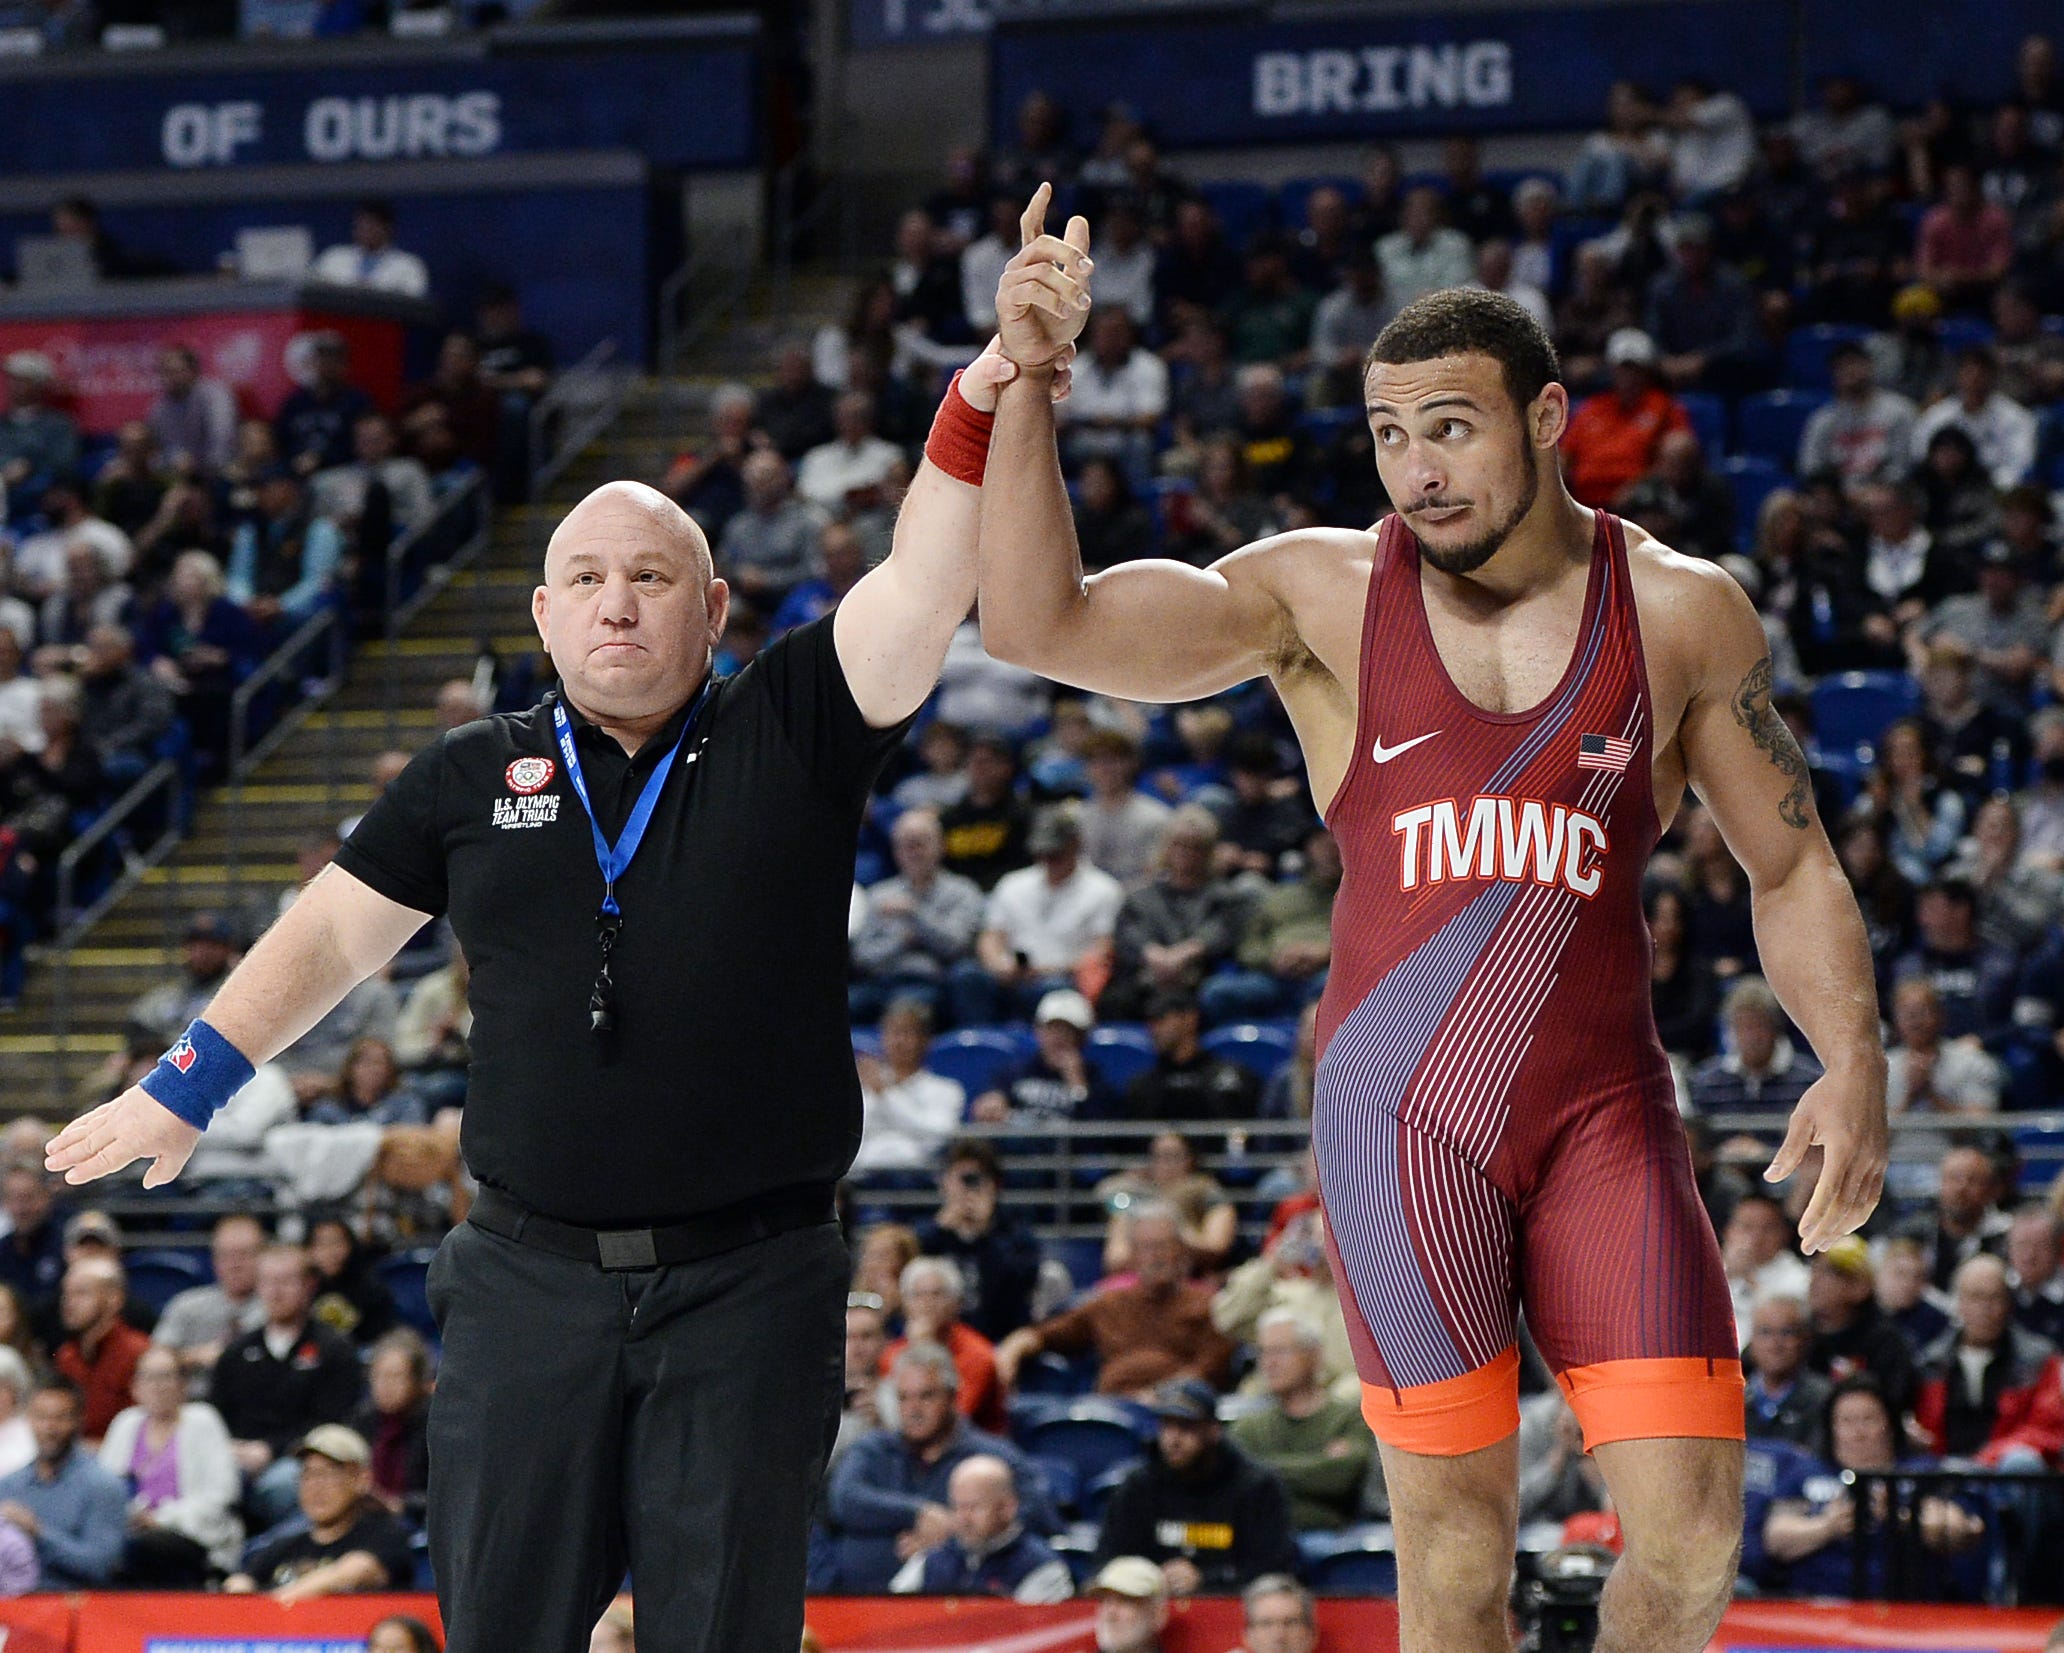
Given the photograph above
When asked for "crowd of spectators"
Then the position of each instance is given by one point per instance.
(1883, 294)
(1078, 876)
(143, 578)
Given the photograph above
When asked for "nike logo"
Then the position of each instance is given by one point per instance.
(1383, 754)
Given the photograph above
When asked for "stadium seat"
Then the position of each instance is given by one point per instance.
(1770, 423)
(1753, 479)
(407, 1276)
(1260, 1050)
(866, 1041)
(1058, 1378)
(1244, 208)
(156, 1277)
(1083, 1258)
(1709, 420)
(1354, 1564)
(1851, 708)
(1097, 1494)
(977, 1057)
(1808, 350)
(1063, 1479)
(1120, 1052)
(1092, 1434)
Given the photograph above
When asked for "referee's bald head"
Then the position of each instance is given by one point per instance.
(618, 509)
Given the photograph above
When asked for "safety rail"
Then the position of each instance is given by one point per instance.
(466, 515)
(580, 404)
(327, 626)
(730, 278)
(2023, 1511)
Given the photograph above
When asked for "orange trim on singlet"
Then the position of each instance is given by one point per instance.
(1446, 1419)
(1646, 1400)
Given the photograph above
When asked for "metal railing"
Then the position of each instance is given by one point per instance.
(325, 628)
(580, 404)
(2023, 1513)
(466, 517)
(684, 323)
(162, 780)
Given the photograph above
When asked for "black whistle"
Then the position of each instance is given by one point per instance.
(602, 1001)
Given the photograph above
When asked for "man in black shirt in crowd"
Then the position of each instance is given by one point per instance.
(350, 1541)
(1211, 1517)
(275, 1384)
(988, 832)
(1186, 1082)
(997, 1255)
(642, 1318)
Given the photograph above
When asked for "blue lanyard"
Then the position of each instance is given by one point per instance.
(613, 859)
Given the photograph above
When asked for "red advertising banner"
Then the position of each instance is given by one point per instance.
(107, 365)
(1867, 1627)
(235, 1624)
(906, 1624)
(36, 1624)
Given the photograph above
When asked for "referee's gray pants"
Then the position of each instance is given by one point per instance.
(675, 1421)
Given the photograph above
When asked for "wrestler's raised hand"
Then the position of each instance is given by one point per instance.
(1042, 301)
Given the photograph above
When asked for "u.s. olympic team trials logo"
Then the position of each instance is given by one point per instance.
(528, 775)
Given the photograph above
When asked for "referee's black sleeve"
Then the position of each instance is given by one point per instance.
(806, 683)
(397, 848)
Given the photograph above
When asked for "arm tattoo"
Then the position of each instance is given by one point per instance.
(1752, 711)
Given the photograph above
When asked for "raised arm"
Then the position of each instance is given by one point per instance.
(337, 933)
(1147, 630)
(1743, 762)
(892, 629)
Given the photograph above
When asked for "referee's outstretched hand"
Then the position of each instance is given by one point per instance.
(134, 1126)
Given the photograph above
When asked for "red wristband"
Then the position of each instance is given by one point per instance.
(959, 443)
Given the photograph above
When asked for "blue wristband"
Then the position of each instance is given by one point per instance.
(198, 1074)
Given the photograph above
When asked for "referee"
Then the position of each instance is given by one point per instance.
(649, 874)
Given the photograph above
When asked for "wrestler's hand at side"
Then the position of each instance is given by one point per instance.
(1843, 1114)
(134, 1126)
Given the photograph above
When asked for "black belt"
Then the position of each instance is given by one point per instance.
(760, 1218)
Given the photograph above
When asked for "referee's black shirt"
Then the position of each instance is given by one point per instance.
(731, 1070)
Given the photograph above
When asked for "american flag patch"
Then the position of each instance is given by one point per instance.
(1604, 752)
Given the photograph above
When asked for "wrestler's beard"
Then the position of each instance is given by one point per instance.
(1468, 558)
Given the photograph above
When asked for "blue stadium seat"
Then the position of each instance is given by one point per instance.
(1353, 1566)
(1058, 1378)
(156, 1277)
(1769, 424)
(1708, 420)
(1851, 708)
(1094, 1435)
(1808, 349)
(1846, 768)
(1026, 1410)
(1097, 1494)
(1261, 1050)
(978, 1056)
(1063, 1479)
(1753, 479)
(1120, 1052)
(1083, 1258)
(1293, 193)
(866, 1041)
(1245, 209)
(406, 1275)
